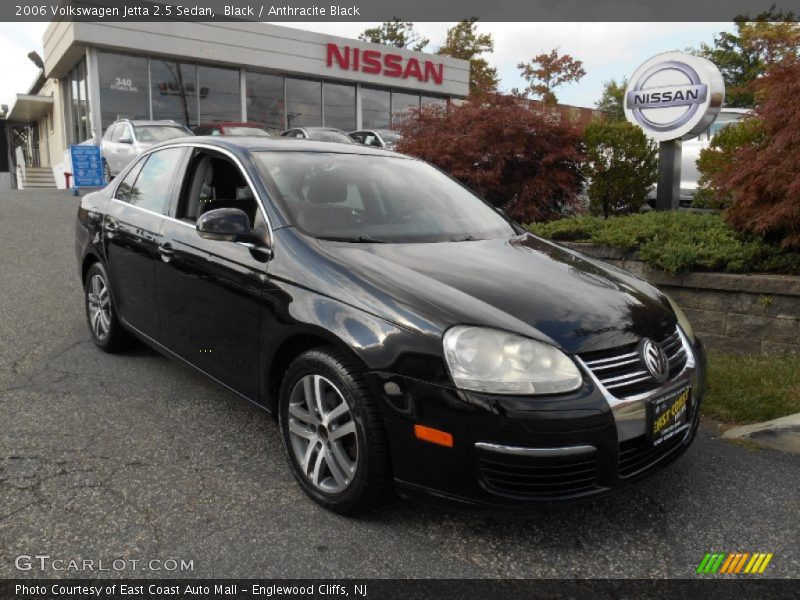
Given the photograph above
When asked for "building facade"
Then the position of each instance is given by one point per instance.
(193, 73)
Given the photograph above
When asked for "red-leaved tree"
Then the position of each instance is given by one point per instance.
(764, 178)
(524, 162)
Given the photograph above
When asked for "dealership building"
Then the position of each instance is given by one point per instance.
(193, 73)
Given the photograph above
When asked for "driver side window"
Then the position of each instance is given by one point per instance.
(214, 181)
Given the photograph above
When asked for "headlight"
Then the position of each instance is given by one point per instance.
(488, 360)
(683, 320)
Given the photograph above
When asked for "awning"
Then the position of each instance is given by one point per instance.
(29, 108)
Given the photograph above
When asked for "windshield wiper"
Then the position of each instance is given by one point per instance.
(361, 239)
(466, 238)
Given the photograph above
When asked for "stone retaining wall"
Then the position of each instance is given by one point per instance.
(732, 313)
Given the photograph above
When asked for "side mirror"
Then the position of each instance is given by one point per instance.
(125, 140)
(231, 225)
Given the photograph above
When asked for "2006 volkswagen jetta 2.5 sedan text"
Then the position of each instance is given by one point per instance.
(405, 334)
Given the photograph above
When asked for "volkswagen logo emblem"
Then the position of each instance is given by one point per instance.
(674, 96)
(654, 359)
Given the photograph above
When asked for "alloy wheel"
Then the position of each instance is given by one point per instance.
(323, 434)
(99, 306)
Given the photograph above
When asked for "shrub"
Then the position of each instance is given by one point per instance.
(763, 178)
(720, 153)
(521, 161)
(677, 242)
(621, 165)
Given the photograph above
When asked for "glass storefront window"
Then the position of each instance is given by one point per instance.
(174, 91)
(402, 103)
(340, 106)
(434, 100)
(265, 99)
(78, 102)
(375, 106)
(124, 92)
(303, 103)
(220, 95)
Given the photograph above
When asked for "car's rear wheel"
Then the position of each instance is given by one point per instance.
(106, 330)
(333, 433)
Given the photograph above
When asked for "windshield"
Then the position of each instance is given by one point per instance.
(244, 130)
(362, 198)
(723, 120)
(323, 135)
(390, 137)
(159, 133)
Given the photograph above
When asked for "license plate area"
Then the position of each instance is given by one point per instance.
(668, 415)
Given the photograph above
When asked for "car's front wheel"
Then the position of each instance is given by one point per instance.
(106, 330)
(333, 432)
(107, 172)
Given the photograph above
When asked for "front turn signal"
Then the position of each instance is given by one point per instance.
(434, 436)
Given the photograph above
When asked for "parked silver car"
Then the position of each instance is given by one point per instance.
(318, 134)
(124, 140)
(377, 138)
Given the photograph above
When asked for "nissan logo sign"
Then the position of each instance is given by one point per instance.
(674, 96)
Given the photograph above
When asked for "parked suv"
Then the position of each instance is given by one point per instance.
(318, 134)
(124, 140)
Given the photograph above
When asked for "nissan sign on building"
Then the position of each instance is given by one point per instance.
(673, 96)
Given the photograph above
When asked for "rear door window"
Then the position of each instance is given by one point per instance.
(152, 190)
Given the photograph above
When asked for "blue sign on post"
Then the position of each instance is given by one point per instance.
(87, 166)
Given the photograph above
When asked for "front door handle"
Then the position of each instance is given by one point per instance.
(166, 251)
(111, 227)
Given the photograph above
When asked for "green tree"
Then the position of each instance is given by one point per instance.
(463, 41)
(769, 40)
(397, 33)
(548, 71)
(621, 166)
(612, 102)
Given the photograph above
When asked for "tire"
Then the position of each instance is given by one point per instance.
(106, 330)
(339, 455)
(107, 172)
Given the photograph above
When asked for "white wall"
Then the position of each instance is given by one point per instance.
(248, 45)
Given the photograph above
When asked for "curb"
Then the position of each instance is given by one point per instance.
(779, 434)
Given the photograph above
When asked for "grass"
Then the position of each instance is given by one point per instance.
(676, 242)
(750, 389)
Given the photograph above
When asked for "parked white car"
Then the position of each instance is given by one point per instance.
(690, 152)
(124, 140)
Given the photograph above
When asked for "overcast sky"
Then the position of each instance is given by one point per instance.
(608, 50)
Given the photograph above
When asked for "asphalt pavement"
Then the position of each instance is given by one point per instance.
(138, 458)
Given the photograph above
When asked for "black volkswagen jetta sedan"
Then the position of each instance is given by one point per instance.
(405, 334)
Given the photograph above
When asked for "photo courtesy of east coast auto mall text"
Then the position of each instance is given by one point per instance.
(359, 300)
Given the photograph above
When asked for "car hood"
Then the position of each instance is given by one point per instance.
(522, 284)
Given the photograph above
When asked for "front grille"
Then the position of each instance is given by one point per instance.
(638, 454)
(540, 477)
(622, 371)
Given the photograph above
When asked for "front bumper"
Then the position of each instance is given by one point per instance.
(511, 452)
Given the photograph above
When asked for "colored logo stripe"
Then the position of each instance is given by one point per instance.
(734, 563)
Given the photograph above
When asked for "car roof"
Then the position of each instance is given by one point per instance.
(316, 129)
(252, 124)
(279, 144)
(164, 122)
